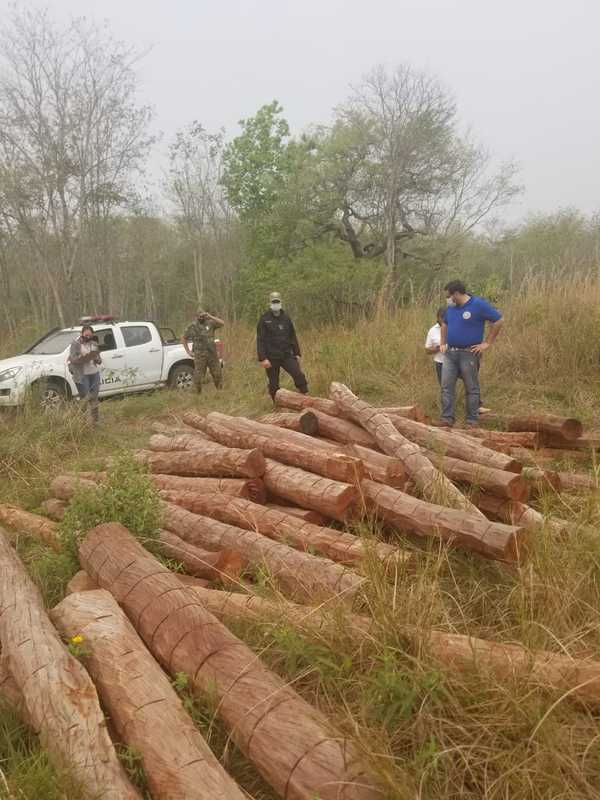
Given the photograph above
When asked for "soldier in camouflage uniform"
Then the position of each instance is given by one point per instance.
(201, 333)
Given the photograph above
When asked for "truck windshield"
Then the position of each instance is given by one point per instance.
(53, 344)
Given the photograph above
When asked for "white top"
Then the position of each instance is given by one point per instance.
(434, 339)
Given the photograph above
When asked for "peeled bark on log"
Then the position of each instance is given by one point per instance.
(300, 574)
(406, 513)
(339, 546)
(54, 508)
(300, 402)
(289, 741)
(145, 710)
(574, 482)
(495, 481)
(302, 513)
(80, 582)
(59, 697)
(546, 424)
(512, 512)
(31, 524)
(336, 428)
(430, 481)
(233, 431)
(226, 565)
(331, 498)
(210, 460)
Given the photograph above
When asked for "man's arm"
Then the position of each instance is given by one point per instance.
(492, 334)
(261, 345)
(218, 323)
(294, 340)
(443, 337)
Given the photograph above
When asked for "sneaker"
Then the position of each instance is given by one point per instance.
(443, 423)
(484, 410)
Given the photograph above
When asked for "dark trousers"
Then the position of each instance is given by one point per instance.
(292, 367)
(88, 390)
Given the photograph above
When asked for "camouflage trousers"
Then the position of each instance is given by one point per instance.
(203, 361)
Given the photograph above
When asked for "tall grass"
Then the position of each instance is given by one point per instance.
(427, 731)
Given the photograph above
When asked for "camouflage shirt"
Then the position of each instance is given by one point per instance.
(202, 336)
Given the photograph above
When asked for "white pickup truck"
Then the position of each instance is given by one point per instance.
(136, 356)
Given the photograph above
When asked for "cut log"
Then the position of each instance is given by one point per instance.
(547, 424)
(492, 439)
(234, 431)
(512, 512)
(190, 580)
(433, 484)
(289, 420)
(59, 697)
(299, 574)
(496, 481)
(54, 508)
(331, 498)
(587, 441)
(290, 742)
(80, 582)
(176, 430)
(30, 524)
(575, 482)
(145, 710)
(545, 454)
(336, 545)
(302, 513)
(226, 565)
(162, 443)
(541, 480)
(301, 402)
(64, 487)
(210, 460)
(406, 513)
(314, 422)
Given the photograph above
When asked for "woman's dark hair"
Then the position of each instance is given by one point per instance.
(87, 328)
(440, 312)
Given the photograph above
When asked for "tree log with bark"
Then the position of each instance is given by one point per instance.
(54, 508)
(144, 709)
(301, 402)
(225, 565)
(336, 428)
(212, 460)
(59, 698)
(545, 424)
(31, 524)
(512, 512)
(290, 742)
(406, 513)
(339, 546)
(430, 481)
(302, 513)
(299, 574)
(494, 481)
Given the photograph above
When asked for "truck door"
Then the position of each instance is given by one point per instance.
(113, 371)
(144, 354)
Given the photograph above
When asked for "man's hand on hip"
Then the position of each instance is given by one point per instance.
(479, 348)
(265, 363)
(443, 348)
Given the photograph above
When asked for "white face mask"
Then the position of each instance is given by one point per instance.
(450, 301)
(276, 308)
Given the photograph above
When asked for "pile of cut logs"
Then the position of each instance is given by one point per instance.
(276, 497)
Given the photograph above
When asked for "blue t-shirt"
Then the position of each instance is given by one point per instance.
(466, 323)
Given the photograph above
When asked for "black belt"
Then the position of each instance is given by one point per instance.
(465, 349)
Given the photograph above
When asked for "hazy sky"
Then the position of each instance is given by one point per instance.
(525, 73)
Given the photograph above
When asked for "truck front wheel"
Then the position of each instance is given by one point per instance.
(182, 377)
(50, 394)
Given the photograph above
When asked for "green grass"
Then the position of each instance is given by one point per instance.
(429, 733)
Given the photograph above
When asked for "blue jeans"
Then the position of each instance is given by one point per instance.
(88, 390)
(460, 364)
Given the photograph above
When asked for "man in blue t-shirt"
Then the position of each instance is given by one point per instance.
(462, 343)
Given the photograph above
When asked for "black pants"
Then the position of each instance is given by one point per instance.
(292, 367)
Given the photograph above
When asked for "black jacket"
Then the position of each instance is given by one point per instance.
(276, 337)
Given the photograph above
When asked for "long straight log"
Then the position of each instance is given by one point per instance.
(302, 513)
(336, 428)
(587, 441)
(233, 431)
(406, 513)
(208, 460)
(512, 512)
(162, 443)
(339, 546)
(290, 742)
(491, 439)
(145, 710)
(225, 565)
(299, 574)
(575, 482)
(176, 430)
(59, 698)
(496, 481)
(31, 524)
(546, 424)
(430, 480)
(300, 402)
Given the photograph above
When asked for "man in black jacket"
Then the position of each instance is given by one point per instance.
(277, 346)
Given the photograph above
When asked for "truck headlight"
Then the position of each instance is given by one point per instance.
(9, 374)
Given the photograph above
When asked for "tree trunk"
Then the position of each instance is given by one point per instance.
(302, 513)
(226, 565)
(406, 513)
(336, 545)
(493, 439)
(80, 582)
(574, 482)
(233, 431)
(59, 698)
(336, 428)
(587, 441)
(301, 402)
(330, 498)
(163, 443)
(299, 574)
(512, 512)
(145, 710)
(54, 508)
(289, 741)
(434, 485)
(213, 460)
(175, 430)
(547, 424)
(31, 524)
(494, 481)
